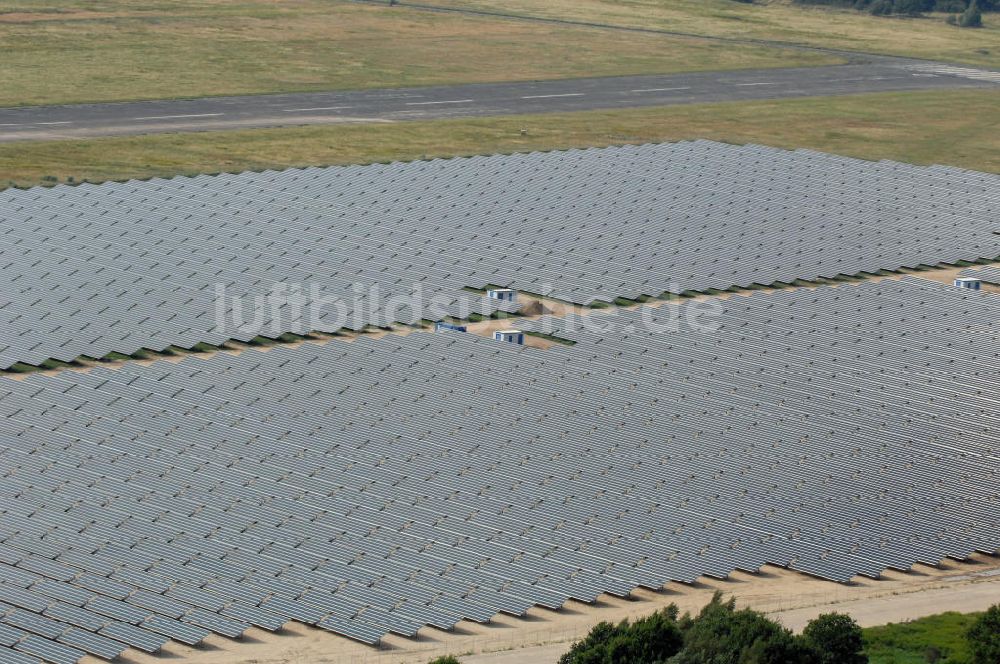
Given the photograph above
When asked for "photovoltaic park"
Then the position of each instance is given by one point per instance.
(116, 268)
(405, 483)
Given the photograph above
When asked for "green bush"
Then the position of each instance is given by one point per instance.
(836, 638)
(722, 635)
(651, 639)
(971, 17)
(719, 634)
(984, 637)
(445, 659)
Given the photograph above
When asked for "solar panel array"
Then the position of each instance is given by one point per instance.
(387, 484)
(95, 269)
(989, 274)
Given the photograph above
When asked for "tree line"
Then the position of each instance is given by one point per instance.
(964, 13)
(722, 634)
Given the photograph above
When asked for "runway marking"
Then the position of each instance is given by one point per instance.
(962, 72)
(746, 84)
(849, 80)
(54, 123)
(318, 108)
(171, 117)
(660, 89)
(568, 94)
(12, 124)
(450, 101)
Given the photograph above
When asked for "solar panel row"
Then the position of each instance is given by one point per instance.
(385, 485)
(988, 274)
(96, 269)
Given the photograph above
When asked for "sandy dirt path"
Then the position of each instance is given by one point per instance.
(976, 596)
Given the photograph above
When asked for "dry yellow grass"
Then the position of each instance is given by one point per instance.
(916, 127)
(73, 51)
(927, 37)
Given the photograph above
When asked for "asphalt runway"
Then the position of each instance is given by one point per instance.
(480, 100)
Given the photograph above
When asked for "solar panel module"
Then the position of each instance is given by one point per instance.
(92, 270)
(382, 486)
